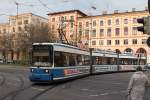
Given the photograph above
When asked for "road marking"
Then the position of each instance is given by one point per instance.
(40, 89)
(94, 95)
(104, 94)
(117, 83)
(86, 90)
(114, 92)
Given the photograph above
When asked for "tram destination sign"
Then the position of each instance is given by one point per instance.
(41, 47)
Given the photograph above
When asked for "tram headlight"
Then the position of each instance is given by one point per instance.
(32, 70)
(46, 70)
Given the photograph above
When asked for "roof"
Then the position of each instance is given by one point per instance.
(27, 14)
(119, 13)
(69, 11)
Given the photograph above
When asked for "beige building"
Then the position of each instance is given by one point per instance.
(16, 25)
(64, 20)
(106, 31)
(4, 32)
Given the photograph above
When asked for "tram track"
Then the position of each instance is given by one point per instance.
(15, 92)
(21, 88)
(3, 79)
(41, 93)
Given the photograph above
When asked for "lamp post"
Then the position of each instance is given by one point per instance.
(91, 49)
(118, 52)
(91, 60)
(90, 34)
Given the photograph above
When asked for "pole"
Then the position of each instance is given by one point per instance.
(90, 31)
(149, 5)
(118, 52)
(91, 61)
(117, 61)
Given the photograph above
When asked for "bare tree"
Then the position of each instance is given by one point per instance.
(7, 44)
(33, 33)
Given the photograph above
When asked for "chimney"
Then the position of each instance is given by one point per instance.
(104, 12)
(115, 11)
(133, 9)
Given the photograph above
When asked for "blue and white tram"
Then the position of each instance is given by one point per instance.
(55, 61)
(110, 61)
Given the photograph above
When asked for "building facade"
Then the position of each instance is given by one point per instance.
(116, 31)
(68, 21)
(4, 33)
(16, 26)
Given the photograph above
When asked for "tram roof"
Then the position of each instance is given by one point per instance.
(60, 44)
(66, 48)
(74, 49)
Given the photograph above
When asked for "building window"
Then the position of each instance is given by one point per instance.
(144, 41)
(19, 28)
(126, 42)
(101, 42)
(53, 27)
(109, 32)
(94, 33)
(101, 32)
(20, 23)
(62, 18)
(134, 20)
(117, 21)
(117, 30)
(134, 41)
(13, 29)
(4, 30)
(13, 22)
(108, 42)
(109, 22)
(134, 30)
(80, 24)
(93, 42)
(101, 23)
(71, 25)
(125, 30)
(87, 24)
(53, 19)
(26, 22)
(117, 42)
(87, 33)
(80, 32)
(71, 17)
(94, 23)
(125, 21)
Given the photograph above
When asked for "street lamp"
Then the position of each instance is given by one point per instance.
(118, 61)
(91, 49)
(90, 34)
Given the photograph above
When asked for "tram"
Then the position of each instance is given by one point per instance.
(56, 61)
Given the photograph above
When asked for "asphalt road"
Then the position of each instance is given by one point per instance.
(14, 85)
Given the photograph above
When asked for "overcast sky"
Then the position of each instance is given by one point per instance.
(43, 7)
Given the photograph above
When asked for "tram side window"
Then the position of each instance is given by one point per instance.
(79, 60)
(60, 59)
(72, 60)
(86, 60)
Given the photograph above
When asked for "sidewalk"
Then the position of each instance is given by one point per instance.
(14, 66)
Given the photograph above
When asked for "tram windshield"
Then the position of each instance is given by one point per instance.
(42, 56)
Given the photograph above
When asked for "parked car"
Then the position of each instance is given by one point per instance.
(147, 65)
(1, 61)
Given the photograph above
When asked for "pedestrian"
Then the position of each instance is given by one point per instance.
(139, 82)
